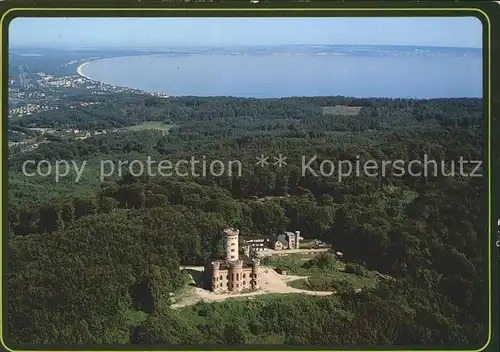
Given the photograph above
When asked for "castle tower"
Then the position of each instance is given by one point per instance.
(235, 275)
(255, 274)
(297, 239)
(232, 251)
(215, 284)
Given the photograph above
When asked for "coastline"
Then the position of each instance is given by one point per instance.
(80, 68)
(80, 72)
(124, 79)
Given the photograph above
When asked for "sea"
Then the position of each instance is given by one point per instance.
(275, 72)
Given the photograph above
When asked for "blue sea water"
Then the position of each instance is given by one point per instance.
(398, 72)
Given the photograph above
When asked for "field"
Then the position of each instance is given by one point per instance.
(341, 110)
(149, 125)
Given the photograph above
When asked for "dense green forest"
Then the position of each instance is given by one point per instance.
(94, 262)
(227, 115)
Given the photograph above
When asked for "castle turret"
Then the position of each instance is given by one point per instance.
(255, 273)
(235, 275)
(215, 266)
(232, 251)
(297, 239)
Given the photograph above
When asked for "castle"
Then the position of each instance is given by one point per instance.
(234, 273)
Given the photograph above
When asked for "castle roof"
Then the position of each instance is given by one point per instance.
(231, 231)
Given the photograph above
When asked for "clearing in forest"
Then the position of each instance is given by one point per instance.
(319, 275)
(150, 125)
(324, 272)
(341, 110)
(270, 282)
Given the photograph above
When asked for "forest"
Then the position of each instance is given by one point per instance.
(93, 262)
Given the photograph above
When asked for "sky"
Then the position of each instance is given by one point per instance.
(172, 32)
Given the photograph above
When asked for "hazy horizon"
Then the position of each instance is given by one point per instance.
(148, 33)
(38, 47)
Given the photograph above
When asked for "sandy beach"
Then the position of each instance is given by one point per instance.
(80, 68)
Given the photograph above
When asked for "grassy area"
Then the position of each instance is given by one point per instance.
(301, 284)
(150, 125)
(341, 110)
(329, 281)
(324, 272)
(294, 264)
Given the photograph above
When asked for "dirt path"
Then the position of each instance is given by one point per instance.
(270, 282)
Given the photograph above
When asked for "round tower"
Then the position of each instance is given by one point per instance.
(214, 276)
(232, 251)
(235, 275)
(255, 274)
